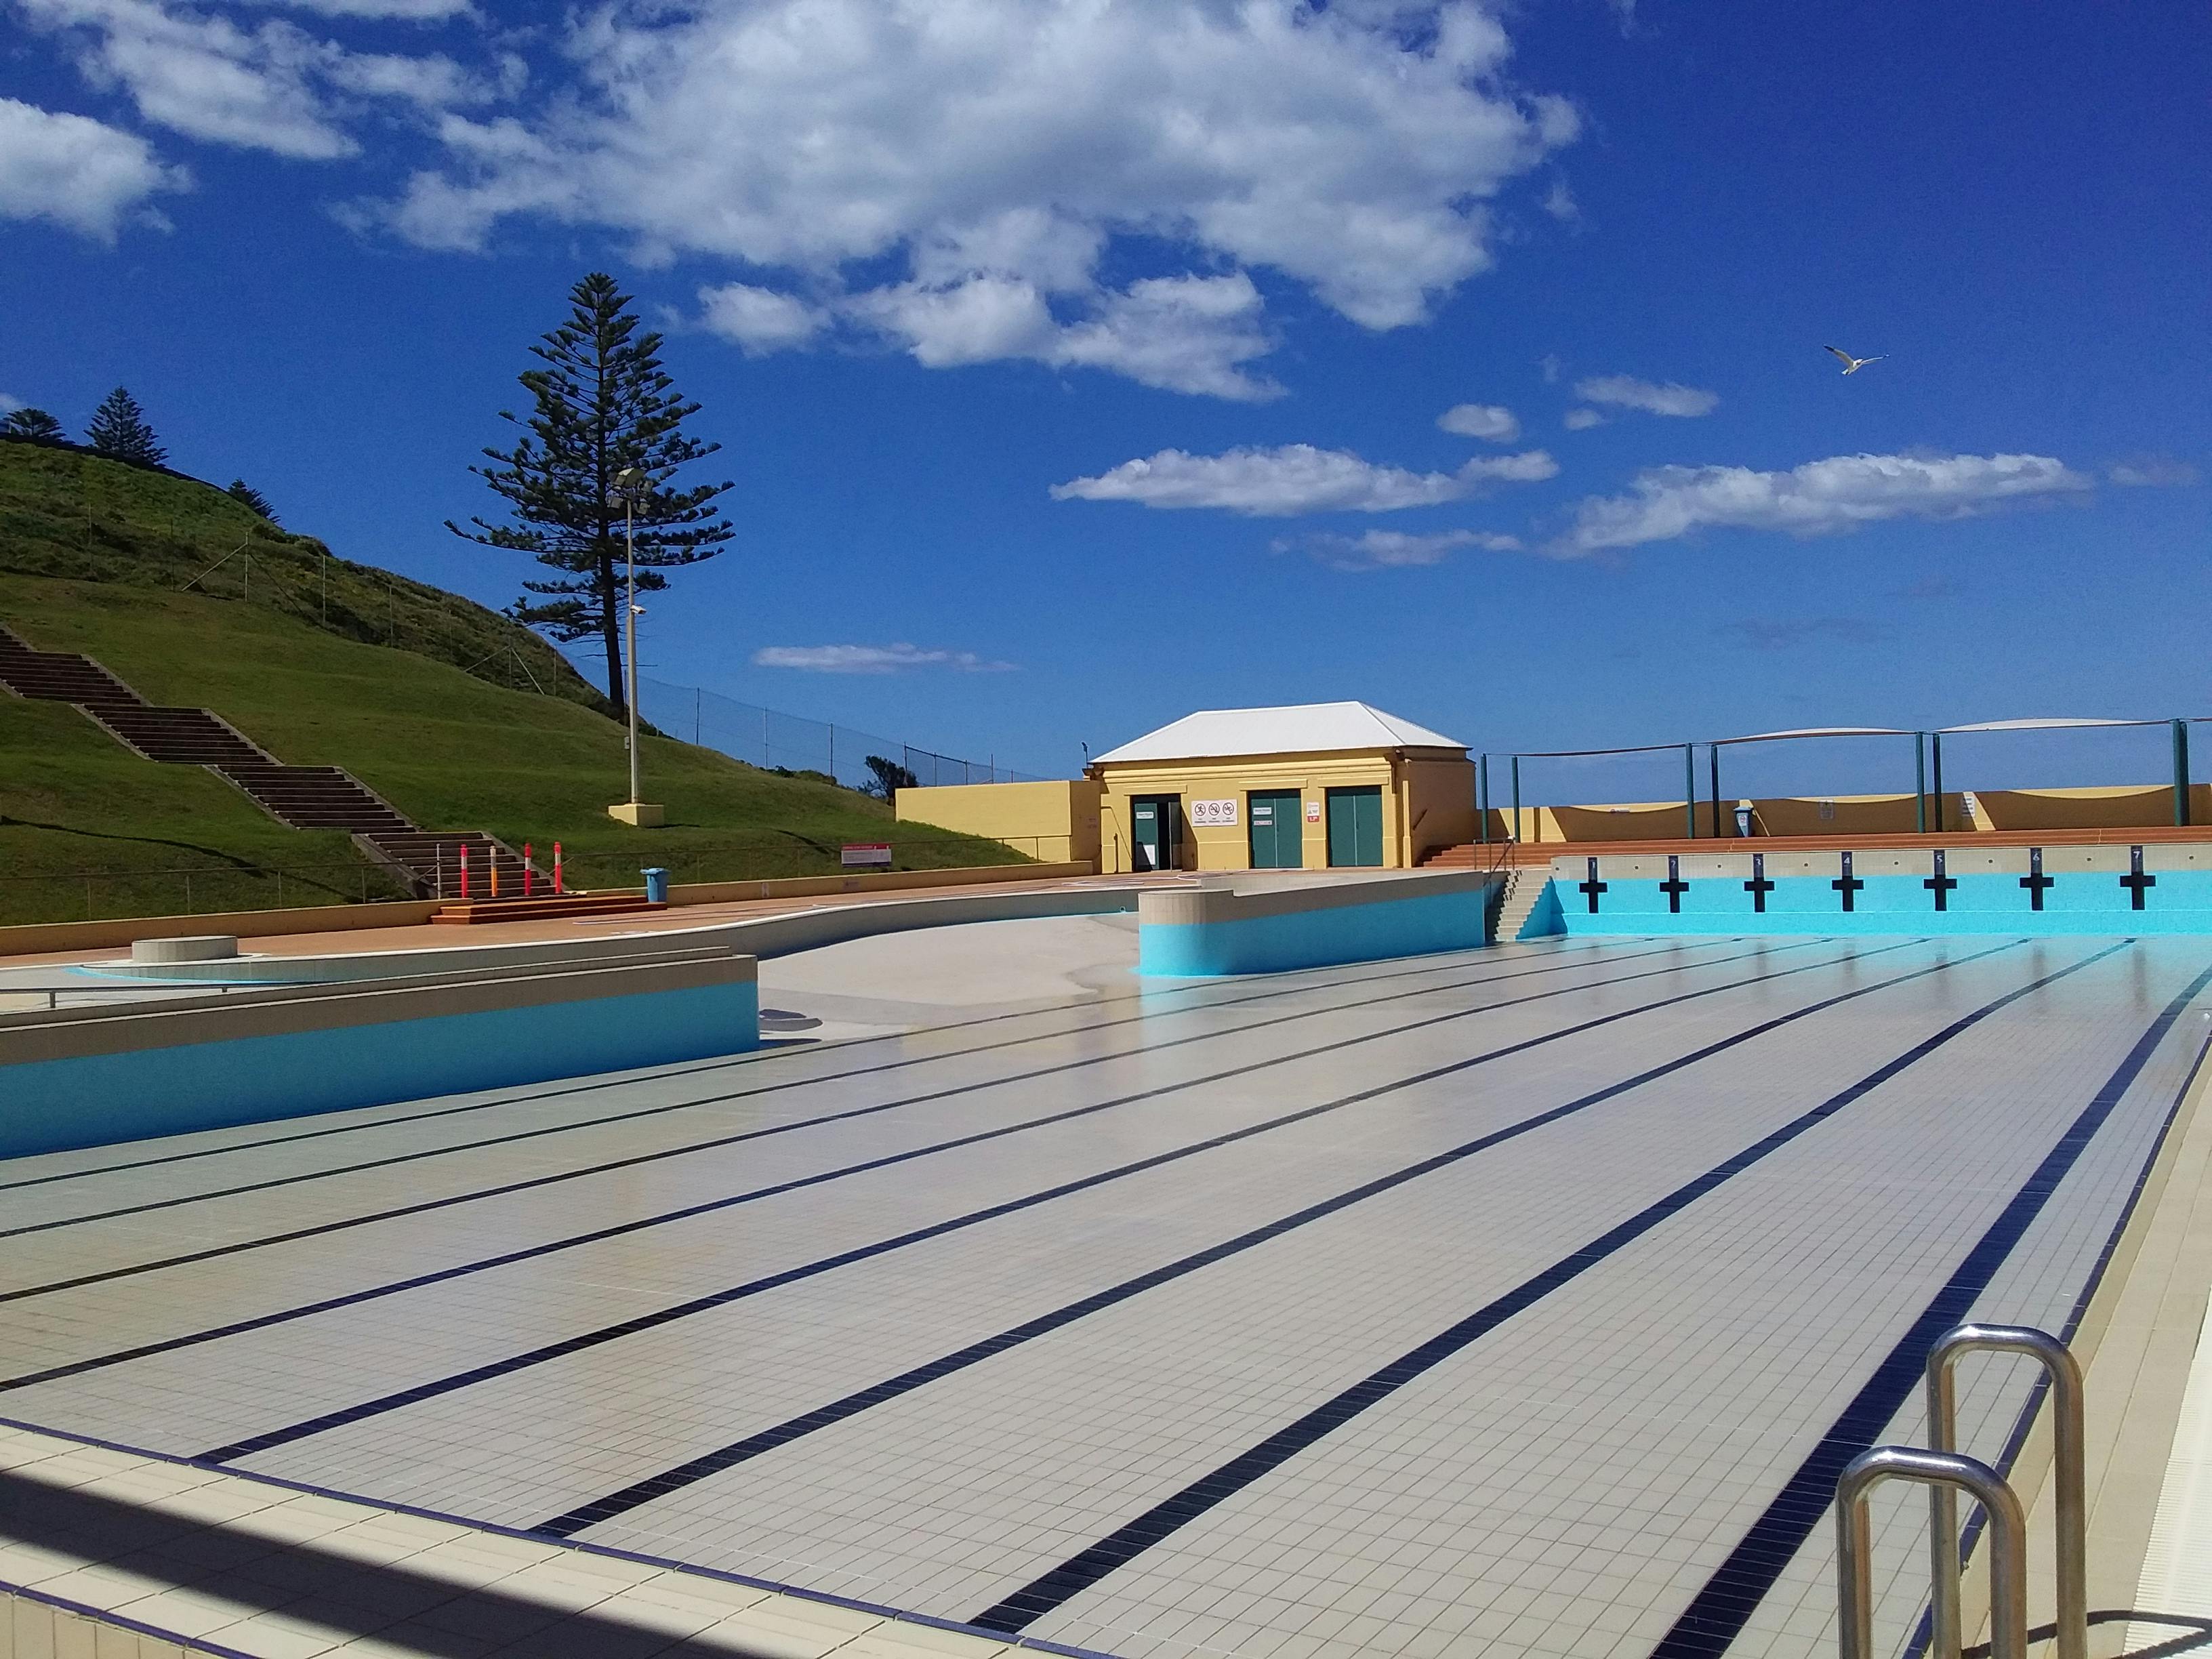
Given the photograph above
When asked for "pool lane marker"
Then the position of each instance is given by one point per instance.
(838, 1411)
(643, 1322)
(694, 1068)
(1051, 1591)
(694, 1102)
(688, 1148)
(1720, 1610)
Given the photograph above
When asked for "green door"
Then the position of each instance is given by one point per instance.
(1156, 831)
(1278, 838)
(1355, 827)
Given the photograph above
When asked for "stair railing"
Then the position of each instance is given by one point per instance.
(1950, 1472)
(2069, 1475)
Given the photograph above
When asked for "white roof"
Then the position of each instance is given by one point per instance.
(1306, 728)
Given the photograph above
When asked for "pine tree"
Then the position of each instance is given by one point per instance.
(119, 431)
(603, 405)
(253, 498)
(34, 424)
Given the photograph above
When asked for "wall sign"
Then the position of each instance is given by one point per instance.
(866, 855)
(1313, 811)
(1214, 814)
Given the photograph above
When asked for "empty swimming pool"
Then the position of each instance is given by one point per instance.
(1527, 1298)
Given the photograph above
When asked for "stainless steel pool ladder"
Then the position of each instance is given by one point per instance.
(1942, 1472)
(2069, 1473)
(1946, 1473)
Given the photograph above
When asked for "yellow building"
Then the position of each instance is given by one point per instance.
(1311, 787)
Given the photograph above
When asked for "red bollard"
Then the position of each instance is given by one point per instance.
(526, 870)
(557, 887)
(465, 870)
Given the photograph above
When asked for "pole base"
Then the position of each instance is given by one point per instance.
(639, 815)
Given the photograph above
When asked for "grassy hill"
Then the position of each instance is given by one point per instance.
(84, 823)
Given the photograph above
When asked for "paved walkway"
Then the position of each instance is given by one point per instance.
(1526, 1299)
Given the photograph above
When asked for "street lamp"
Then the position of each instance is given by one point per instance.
(630, 484)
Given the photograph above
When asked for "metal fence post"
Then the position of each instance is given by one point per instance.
(1482, 799)
(2068, 1472)
(1690, 786)
(1920, 783)
(1516, 798)
(1936, 745)
(1713, 754)
(2181, 773)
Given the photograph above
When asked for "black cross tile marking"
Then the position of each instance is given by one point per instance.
(1673, 887)
(1593, 886)
(2135, 881)
(1848, 884)
(1940, 884)
(1759, 887)
(2035, 881)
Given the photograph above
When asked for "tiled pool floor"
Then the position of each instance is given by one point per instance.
(1525, 1300)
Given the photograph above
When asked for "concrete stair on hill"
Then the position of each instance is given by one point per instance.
(298, 797)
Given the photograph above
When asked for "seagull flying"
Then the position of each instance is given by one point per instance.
(1851, 365)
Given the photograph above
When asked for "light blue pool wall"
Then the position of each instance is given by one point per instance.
(1390, 926)
(2075, 903)
(94, 1100)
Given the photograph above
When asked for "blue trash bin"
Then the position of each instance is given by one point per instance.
(656, 885)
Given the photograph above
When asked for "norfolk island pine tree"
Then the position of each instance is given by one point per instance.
(602, 404)
(118, 430)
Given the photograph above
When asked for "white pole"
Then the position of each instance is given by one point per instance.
(629, 619)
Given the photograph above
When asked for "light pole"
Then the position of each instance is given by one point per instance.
(627, 484)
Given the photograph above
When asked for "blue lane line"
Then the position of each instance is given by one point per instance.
(851, 1405)
(1718, 1613)
(631, 1327)
(1080, 1571)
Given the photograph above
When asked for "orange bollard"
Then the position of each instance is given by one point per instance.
(557, 887)
(464, 870)
(526, 870)
(492, 858)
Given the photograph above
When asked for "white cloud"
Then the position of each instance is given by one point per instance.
(870, 659)
(10, 404)
(989, 158)
(1582, 420)
(1626, 392)
(1548, 366)
(1491, 420)
(75, 171)
(1296, 478)
(1389, 550)
(1559, 202)
(411, 11)
(2152, 472)
(273, 86)
(1818, 498)
(760, 319)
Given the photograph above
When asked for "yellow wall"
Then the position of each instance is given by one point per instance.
(1056, 822)
(1428, 801)
(2145, 807)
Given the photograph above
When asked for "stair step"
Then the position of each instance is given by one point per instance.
(470, 912)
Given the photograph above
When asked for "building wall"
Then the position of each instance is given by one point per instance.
(1055, 822)
(1435, 791)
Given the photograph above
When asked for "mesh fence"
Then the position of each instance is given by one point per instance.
(769, 738)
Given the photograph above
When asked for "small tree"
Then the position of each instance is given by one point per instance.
(35, 424)
(119, 431)
(887, 777)
(252, 497)
(603, 406)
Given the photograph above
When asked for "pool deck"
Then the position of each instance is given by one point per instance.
(1522, 1300)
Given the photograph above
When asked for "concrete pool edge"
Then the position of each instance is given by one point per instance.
(859, 1633)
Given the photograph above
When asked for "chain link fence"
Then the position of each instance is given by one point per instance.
(777, 742)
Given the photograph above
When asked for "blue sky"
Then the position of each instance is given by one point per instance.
(1080, 364)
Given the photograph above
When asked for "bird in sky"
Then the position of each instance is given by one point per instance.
(1851, 365)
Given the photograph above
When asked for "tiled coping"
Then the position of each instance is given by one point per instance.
(107, 1553)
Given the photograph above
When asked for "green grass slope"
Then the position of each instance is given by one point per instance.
(64, 512)
(84, 824)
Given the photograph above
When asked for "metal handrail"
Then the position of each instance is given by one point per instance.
(2068, 1472)
(1855, 1547)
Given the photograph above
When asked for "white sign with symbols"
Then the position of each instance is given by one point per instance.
(1214, 814)
(1313, 811)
